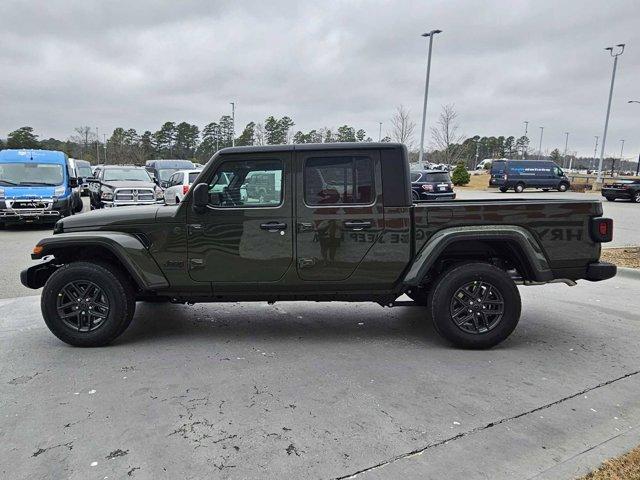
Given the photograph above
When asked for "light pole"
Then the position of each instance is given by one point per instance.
(233, 124)
(606, 122)
(97, 146)
(595, 153)
(380, 132)
(426, 92)
(526, 129)
(566, 144)
(104, 136)
(613, 163)
(540, 146)
(638, 165)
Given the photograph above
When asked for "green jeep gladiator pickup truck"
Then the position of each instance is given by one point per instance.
(339, 224)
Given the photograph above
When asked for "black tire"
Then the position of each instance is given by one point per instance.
(115, 291)
(636, 197)
(414, 195)
(177, 201)
(610, 199)
(519, 188)
(545, 189)
(503, 189)
(443, 304)
(563, 187)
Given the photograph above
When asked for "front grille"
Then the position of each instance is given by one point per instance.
(134, 195)
(30, 204)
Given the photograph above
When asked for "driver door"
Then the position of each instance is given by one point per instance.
(244, 236)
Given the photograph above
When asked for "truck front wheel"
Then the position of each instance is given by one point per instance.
(87, 304)
(475, 305)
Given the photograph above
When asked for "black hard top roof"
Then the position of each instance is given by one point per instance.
(311, 146)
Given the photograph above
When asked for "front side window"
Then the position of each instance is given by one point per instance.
(247, 183)
(338, 180)
(415, 176)
(31, 174)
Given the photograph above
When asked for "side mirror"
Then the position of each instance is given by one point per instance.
(164, 184)
(200, 197)
(73, 182)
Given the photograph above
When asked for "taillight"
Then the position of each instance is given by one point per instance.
(185, 189)
(428, 188)
(602, 229)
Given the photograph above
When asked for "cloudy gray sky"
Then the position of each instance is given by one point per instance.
(138, 64)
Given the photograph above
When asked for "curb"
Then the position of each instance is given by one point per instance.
(629, 273)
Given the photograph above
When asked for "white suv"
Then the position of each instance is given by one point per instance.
(179, 184)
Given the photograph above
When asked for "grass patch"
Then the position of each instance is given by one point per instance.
(626, 467)
(628, 257)
(477, 182)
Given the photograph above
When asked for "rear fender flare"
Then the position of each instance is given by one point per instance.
(435, 246)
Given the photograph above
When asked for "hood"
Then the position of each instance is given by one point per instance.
(29, 193)
(108, 217)
(130, 184)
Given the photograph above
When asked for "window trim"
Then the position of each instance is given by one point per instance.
(244, 207)
(340, 205)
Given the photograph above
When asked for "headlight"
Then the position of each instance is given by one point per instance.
(159, 194)
(106, 195)
(58, 192)
(1, 192)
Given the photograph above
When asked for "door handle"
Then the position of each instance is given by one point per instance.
(195, 227)
(357, 225)
(273, 226)
(305, 227)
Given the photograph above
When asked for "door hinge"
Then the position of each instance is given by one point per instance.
(306, 262)
(196, 263)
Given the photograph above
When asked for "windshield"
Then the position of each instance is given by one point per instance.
(126, 174)
(31, 174)
(165, 173)
(437, 177)
(83, 171)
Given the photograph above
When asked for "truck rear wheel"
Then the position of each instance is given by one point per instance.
(519, 188)
(86, 304)
(475, 305)
(503, 189)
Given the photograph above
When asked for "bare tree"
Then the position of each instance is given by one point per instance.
(446, 136)
(402, 127)
(259, 134)
(84, 137)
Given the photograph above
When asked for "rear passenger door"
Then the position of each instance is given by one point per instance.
(339, 212)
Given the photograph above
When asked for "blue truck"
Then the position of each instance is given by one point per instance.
(36, 186)
(521, 174)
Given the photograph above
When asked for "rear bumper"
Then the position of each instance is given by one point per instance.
(437, 196)
(616, 193)
(598, 271)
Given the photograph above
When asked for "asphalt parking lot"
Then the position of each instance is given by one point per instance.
(301, 390)
(304, 390)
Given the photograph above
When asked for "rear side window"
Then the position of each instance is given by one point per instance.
(193, 176)
(338, 180)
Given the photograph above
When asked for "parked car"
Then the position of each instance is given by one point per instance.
(431, 185)
(521, 174)
(178, 185)
(341, 226)
(161, 170)
(123, 185)
(36, 186)
(83, 172)
(625, 189)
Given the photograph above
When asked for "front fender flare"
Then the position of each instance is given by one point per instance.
(526, 242)
(130, 251)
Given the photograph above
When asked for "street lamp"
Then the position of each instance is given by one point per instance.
(526, 129)
(606, 122)
(426, 92)
(633, 101)
(380, 132)
(97, 146)
(595, 152)
(613, 163)
(540, 147)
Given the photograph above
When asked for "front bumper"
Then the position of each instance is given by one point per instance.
(51, 212)
(119, 203)
(598, 271)
(36, 276)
